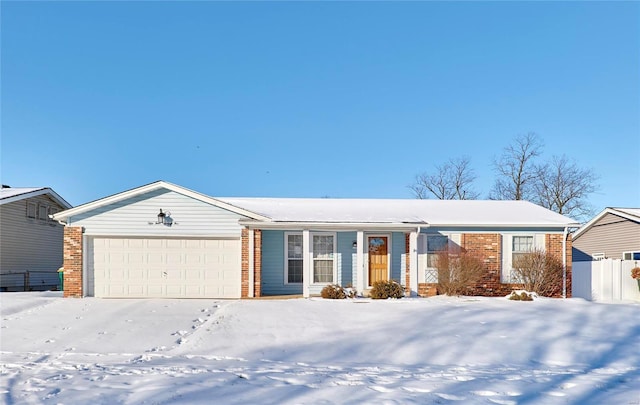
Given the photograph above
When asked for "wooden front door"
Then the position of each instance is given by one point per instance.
(378, 260)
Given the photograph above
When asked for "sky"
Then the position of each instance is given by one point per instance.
(313, 99)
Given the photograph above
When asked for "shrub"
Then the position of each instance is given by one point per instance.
(523, 296)
(458, 272)
(540, 272)
(334, 292)
(384, 289)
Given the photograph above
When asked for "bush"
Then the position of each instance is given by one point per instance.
(334, 292)
(523, 296)
(635, 273)
(540, 272)
(384, 289)
(458, 272)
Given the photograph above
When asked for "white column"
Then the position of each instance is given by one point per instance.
(360, 279)
(251, 266)
(306, 263)
(413, 262)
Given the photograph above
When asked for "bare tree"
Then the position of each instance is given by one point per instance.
(451, 181)
(516, 169)
(563, 187)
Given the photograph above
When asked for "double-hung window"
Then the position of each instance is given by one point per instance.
(323, 258)
(31, 210)
(521, 246)
(435, 245)
(293, 256)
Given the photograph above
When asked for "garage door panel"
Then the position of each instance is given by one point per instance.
(151, 267)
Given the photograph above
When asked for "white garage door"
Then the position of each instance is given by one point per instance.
(167, 268)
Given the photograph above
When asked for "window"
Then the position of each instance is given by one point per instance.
(31, 210)
(323, 258)
(293, 254)
(521, 246)
(435, 244)
(43, 212)
(631, 256)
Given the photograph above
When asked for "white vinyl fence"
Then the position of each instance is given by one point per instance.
(605, 280)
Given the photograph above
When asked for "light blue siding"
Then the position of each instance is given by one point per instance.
(398, 250)
(273, 265)
(131, 217)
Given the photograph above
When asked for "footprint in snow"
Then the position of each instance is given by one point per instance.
(49, 341)
(450, 397)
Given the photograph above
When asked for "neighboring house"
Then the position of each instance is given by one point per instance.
(162, 240)
(30, 241)
(612, 234)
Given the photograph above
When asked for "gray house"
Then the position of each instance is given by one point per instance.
(30, 241)
(612, 234)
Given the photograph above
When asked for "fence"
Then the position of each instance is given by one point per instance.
(30, 281)
(605, 280)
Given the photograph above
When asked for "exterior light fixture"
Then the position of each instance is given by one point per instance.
(161, 217)
(354, 245)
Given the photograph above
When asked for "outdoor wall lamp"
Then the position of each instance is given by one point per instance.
(164, 218)
(161, 217)
(354, 246)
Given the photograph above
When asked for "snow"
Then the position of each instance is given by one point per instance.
(471, 350)
(432, 212)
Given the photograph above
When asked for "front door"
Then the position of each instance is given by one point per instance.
(378, 259)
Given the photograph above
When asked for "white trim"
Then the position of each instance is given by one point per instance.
(85, 268)
(334, 258)
(360, 266)
(389, 256)
(252, 270)
(286, 257)
(332, 226)
(306, 266)
(632, 252)
(63, 215)
(413, 263)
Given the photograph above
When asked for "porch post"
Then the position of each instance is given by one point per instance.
(413, 262)
(360, 284)
(306, 263)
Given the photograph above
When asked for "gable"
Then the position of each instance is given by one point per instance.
(137, 215)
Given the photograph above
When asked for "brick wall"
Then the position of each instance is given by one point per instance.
(489, 248)
(244, 264)
(72, 261)
(407, 264)
(257, 263)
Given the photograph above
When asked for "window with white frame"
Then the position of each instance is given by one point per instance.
(521, 246)
(323, 258)
(435, 245)
(31, 210)
(630, 255)
(293, 255)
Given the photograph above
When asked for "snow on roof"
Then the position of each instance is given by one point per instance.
(432, 212)
(11, 194)
(16, 191)
(630, 211)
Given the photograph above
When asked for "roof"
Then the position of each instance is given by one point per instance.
(11, 194)
(349, 212)
(64, 215)
(632, 214)
(403, 211)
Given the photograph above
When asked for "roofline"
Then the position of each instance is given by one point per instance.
(35, 193)
(608, 210)
(331, 225)
(397, 225)
(63, 215)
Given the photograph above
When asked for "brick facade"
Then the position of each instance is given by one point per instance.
(72, 261)
(257, 263)
(489, 248)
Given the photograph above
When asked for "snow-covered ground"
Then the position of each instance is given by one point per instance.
(439, 350)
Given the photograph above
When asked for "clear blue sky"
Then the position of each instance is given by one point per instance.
(313, 99)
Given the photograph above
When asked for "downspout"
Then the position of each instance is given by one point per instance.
(564, 262)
